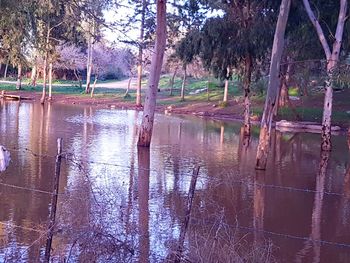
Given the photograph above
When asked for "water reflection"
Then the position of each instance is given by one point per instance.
(124, 204)
(143, 157)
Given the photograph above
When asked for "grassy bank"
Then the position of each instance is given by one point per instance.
(308, 108)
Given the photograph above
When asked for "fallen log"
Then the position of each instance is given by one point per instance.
(12, 97)
(312, 127)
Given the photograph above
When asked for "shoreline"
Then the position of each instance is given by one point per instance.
(203, 109)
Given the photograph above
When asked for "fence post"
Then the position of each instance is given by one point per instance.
(54, 199)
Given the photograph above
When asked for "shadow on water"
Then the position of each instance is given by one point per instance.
(118, 203)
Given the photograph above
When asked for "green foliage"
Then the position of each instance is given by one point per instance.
(189, 46)
(227, 41)
(260, 86)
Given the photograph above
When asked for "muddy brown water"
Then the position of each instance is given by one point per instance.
(121, 204)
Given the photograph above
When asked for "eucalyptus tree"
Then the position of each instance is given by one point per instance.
(15, 34)
(236, 39)
(187, 18)
(332, 49)
(91, 24)
(54, 22)
(273, 86)
(146, 129)
(141, 20)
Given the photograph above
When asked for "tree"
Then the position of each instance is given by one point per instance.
(273, 87)
(15, 34)
(70, 57)
(140, 55)
(238, 39)
(145, 134)
(142, 16)
(332, 56)
(189, 18)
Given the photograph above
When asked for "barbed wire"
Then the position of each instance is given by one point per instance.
(28, 189)
(253, 229)
(78, 162)
(288, 188)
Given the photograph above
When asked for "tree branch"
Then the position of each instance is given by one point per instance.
(318, 28)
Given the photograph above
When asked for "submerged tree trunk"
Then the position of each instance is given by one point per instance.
(247, 81)
(50, 81)
(183, 86)
(19, 77)
(172, 81)
(274, 83)
(6, 68)
(332, 57)
(226, 85)
(145, 134)
(140, 55)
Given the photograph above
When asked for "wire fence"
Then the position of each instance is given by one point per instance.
(80, 164)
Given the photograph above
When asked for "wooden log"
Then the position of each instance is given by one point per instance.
(12, 97)
(312, 127)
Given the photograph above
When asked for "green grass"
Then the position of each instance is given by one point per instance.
(313, 114)
(70, 90)
(292, 91)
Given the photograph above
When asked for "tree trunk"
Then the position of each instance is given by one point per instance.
(274, 83)
(19, 77)
(226, 85)
(6, 68)
(43, 96)
(284, 93)
(33, 76)
(172, 81)
(183, 86)
(140, 56)
(89, 65)
(332, 58)
(88, 79)
(128, 88)
(78, 78)
(208, 92)
(146, 128)
(50, 81)
(247, 81)
(284, 96)
(94, 86)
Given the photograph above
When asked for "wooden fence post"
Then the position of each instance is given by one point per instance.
(54, 200)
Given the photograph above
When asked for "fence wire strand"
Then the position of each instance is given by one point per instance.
(78, 162)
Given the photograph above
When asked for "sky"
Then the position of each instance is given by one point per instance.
(113, 15)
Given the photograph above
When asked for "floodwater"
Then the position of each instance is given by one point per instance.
(120, 204)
